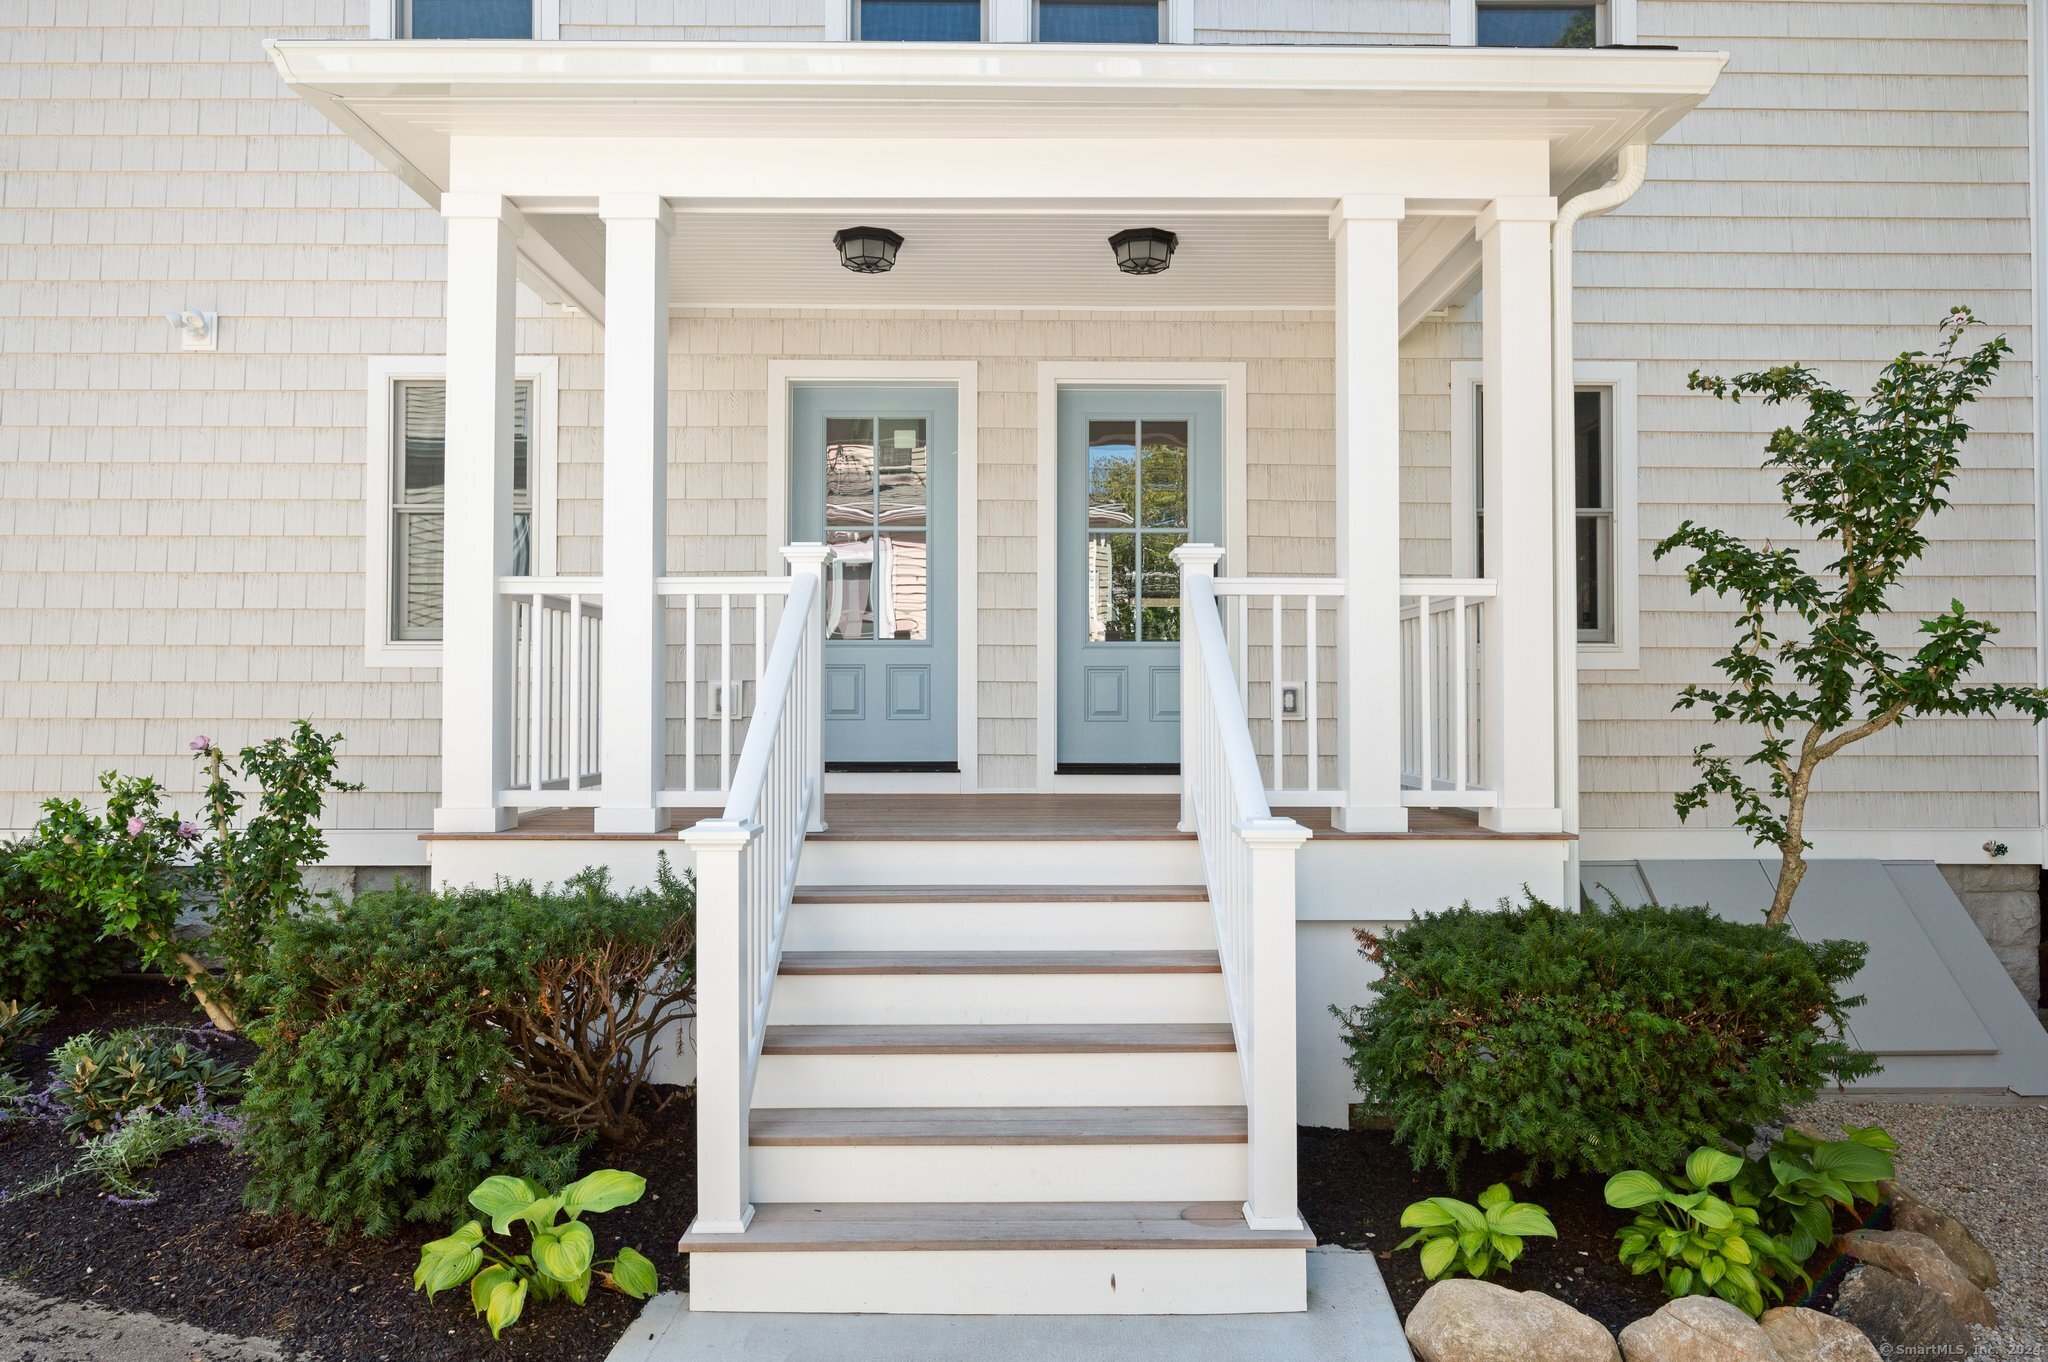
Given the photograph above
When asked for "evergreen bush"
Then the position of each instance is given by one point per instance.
(416, 1044)
(1599, 1039)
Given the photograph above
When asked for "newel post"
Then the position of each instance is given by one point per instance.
(1270, 1100)
(725, 1049)
(810, 560)
(1194, 560)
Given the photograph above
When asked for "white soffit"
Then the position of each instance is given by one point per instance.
(1056, 261)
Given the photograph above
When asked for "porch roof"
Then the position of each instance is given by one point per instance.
(993, 129)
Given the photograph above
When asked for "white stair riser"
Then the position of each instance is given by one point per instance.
(1003, 1282)
(990, 999)
(1103, 1172)
(985, 1080)
(999, 926)
(1139, 862)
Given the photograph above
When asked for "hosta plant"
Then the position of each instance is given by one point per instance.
(1700, 1242)
(561, 1256)
(1802, 1181)
(1469, 1240)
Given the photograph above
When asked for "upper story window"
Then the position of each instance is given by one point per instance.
(464, 19)
(1101, 21)
(918, 21)
(1514, 23)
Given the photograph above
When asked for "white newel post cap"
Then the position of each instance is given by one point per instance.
(807, 555)
(716, 834)
(1201, 558)
(1283, 833)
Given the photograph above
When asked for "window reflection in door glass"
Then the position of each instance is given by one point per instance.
(1137, 516)
(877, 500)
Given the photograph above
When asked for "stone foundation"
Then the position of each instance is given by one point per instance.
(349, 880)
(2005, 903)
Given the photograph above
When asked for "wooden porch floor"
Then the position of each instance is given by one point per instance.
(1001, 817)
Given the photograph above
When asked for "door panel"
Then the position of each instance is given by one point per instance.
(1140, 474)
(872, 474)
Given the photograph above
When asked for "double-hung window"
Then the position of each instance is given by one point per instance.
(918, 21)
(464, 19)
(1045, 21)
(1603, 478)
(409, 494)
(1101, 21)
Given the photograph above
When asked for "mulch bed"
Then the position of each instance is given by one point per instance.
(198, 1256)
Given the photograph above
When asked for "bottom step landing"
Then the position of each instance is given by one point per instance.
(989, 1258)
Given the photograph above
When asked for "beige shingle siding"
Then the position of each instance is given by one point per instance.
(1860, 169)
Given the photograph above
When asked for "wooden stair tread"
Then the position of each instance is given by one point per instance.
(1001, 962)
(996, 1226)
(1001, 893)
(996, 1125)
(1058, 1038)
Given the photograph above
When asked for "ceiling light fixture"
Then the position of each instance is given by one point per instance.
(867, 250)
(1144, 250)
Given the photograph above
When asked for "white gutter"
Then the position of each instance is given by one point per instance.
(1632, 165)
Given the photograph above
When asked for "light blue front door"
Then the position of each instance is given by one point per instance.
(872, 474)
(1140, 474)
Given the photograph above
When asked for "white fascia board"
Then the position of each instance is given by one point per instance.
(1216, 75)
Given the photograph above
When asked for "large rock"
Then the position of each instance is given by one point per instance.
(1903, 1318)
(1697, 1329)
(1919, 1259)
(1802, 1335)
(1909, 1212)
(1468, 1321)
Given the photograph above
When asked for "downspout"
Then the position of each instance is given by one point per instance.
(1631, 167)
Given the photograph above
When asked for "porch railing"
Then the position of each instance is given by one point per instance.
(747, 861)
(1283, 634)
(1443, 635)
(557, 656)
(1248, 866)
(721, 626)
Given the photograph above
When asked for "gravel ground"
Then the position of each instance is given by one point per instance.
(1988, 1167)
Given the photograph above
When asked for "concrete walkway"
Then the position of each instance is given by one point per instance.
(1349, 1319)
(39, 1329)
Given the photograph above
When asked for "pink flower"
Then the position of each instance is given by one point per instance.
(188, 830)
(202, 743)
(136, 825)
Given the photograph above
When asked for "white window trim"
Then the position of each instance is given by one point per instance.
(380, 649)
(1624, 652)
(1012, 21)
(547, 18)
(1617, 22)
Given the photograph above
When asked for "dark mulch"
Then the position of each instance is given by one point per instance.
(198, 1256)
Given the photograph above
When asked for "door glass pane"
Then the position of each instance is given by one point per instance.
(849, 585)
(1112, 474)
(900, 583)
(1165, 474)
(901, 471)
(470, 18)
(849, 471)
(1537, 26)
(920, 21)
(1159, 619)
(1098, 21)
(1112, 594)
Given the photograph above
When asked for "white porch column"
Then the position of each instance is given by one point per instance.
(1366, 229)
(1519, 677)
(476, 653)
(636, 253)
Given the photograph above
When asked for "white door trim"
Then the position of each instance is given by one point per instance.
(965, 376)
(1052, 376)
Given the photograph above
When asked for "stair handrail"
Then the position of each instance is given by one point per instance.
(746, 865)
(1248, 868)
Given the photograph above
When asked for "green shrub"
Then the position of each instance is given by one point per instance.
(17, 1024)
(418, 1042)
(103, 1079)
(50, 944)
(1603, 1039)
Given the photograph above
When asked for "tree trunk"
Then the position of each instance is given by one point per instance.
(1791, 870)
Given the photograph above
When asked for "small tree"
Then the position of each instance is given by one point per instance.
(1864, 477)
